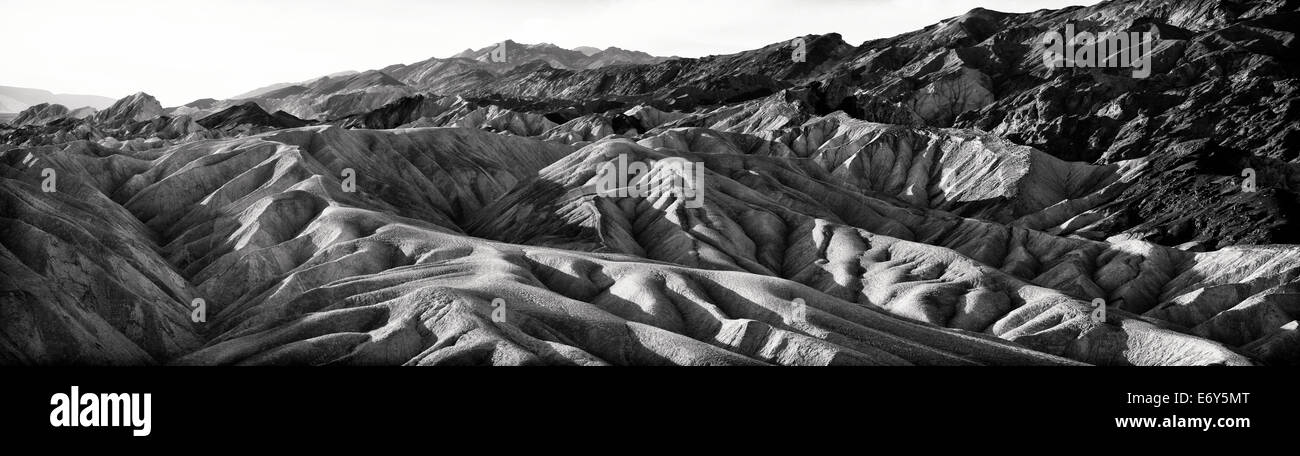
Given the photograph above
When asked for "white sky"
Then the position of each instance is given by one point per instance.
(182, 50)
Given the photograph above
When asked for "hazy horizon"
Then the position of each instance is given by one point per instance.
(180, 51)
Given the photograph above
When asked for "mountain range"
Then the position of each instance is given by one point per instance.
(349, 93)
(940, 197)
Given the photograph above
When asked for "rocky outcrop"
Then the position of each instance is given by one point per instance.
(250, 116)
(401, 112)
(140, 107)
(40, 114)
(459, 112)
(648, 117)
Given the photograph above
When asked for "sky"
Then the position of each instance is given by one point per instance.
(183, 50)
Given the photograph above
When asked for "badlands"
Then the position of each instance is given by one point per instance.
(936, 198)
